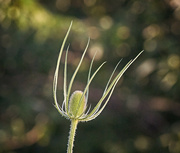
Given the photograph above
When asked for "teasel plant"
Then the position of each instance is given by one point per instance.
(74, 107)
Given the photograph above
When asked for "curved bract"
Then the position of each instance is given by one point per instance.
(74, 107)
(86, 115)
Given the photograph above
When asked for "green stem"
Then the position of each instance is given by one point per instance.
(72, 132)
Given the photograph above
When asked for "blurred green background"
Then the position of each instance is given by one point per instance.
(143, 115)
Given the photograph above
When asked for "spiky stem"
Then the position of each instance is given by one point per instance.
(72, 132)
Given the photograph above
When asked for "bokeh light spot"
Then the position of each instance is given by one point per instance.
(142, 143)
(123, 50)
(106, 22)
(177, 13)
(2, 15)
(89, 2)
(98, 49)
(123, 32)
(174, 3)
(93, 32)
(63, 5)
(39, 18)
(137, 7)
(174, 61)
(146, 68)
(174, 146)
(165, 139)
(17, 126)
(168, 81)
(151, 31)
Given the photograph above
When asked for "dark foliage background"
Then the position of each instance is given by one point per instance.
(143, 115)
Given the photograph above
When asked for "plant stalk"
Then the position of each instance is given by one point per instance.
(72, 132)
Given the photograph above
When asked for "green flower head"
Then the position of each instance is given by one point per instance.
(74, 107)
